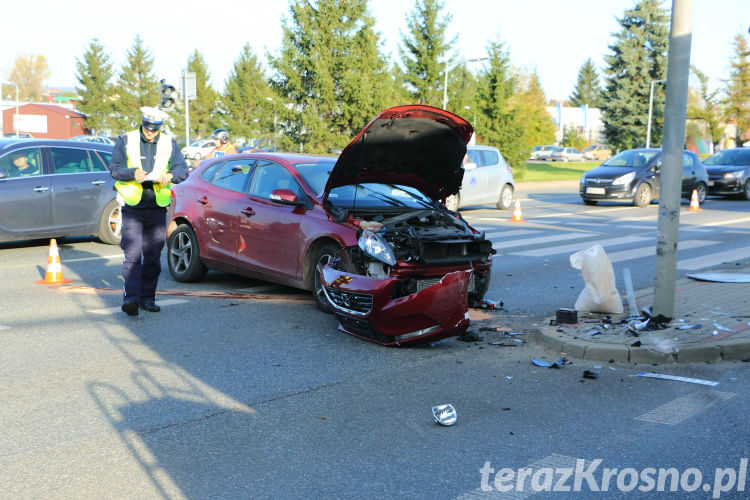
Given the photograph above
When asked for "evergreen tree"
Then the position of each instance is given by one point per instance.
(331, 68)
(587, 90)
(530, 104)
(499, 121)
(94, 74)
(424, 54)
(462, 87)
(138, 86)
(737, 103)
(205, 113)
(29, 73)
(248, 99)
(639, 57)
(703, 105)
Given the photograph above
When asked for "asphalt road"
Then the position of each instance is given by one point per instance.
(257, 395)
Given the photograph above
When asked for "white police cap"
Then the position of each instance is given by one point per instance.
(152, 118)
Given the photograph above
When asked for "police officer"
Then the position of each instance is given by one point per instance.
(145, 163)
(222, 146)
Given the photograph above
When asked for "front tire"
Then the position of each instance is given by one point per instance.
(183, 255)
(506, 197)
(320, 257)
(747, 189)
(642, 196)
(702, 191)
(110, 224)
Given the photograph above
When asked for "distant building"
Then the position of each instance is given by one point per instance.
(587, 122)
(42, 120)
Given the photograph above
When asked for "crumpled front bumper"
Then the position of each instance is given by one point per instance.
(365, 307)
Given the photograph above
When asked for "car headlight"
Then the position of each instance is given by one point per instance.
(376, 247)
(733, 175)
(624, 179)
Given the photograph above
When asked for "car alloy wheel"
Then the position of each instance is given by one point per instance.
(701, 191)
(452, 202)
(110, 224)
(506, 197)
(320, 257)
(642, 196)
(747, 189)
(183, 255)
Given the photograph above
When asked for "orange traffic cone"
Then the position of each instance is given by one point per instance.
(53, 276)
(517, 217)
(694, 205)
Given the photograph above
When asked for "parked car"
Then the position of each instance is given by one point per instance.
(538, 151)
(20, 135)
(488, 179)
(633, 175)
(66, 190)
(545, 154)
(198, 149)
(729, 172)
(406, 266)
(597, 152)
(567, 154)
(99, 139)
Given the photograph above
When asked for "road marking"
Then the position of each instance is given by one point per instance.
(650, 251)
(574, 247)
(161, 303)
(101, 257)
(685, 407)
(728, 222)
(4, 327)
(540, 239)
(713, 259)
(511, 232)
(553, 462)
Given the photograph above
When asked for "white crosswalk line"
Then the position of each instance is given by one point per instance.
(650, 251)
(574, 247)
(540, 239)
(713, 259)
(685, 407)
(512, 232)
(160, 303)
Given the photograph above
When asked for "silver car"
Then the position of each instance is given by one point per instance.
(53, 188)
(488, 179)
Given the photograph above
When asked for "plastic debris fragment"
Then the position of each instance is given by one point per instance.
(723, 328)
(689, 327)
(590, 374)
(548, 364)
(677, 379)
(445, 414)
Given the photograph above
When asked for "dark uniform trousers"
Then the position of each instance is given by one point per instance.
(143, 234)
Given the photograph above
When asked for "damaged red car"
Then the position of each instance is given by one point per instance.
(416, 264)
(368, 232)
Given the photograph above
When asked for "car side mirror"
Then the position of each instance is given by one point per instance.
(286, 197)
(3, 173)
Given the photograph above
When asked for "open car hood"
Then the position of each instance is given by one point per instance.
(412, 145)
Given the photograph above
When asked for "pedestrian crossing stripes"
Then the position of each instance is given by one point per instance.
(574, 247)
(637, 253)
(511, 243)
(685, 407)
(715, 259)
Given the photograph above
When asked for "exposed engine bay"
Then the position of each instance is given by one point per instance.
(430, 241)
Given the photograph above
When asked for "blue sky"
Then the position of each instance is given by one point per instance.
(551, 36)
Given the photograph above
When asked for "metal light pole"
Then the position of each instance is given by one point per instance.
(650, 107)
(445, 80)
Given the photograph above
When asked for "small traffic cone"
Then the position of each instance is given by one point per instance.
(517, 217)
(694, 205)
(53, 276)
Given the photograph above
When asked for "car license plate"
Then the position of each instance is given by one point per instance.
(594, 190)
(710, 183)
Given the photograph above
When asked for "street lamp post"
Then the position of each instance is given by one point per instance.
(445, 80)
(650, 107)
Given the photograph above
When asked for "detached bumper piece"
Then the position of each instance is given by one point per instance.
(365, 307)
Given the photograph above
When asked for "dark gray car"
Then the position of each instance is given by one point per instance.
(56, 188)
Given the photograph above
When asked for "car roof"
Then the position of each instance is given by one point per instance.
(11, 144)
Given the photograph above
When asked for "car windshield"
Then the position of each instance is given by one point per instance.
(730, 157)
(374, 195)
(315, 173)
(631, 158)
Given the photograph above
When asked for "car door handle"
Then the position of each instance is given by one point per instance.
(97, 183)
(41, 189)
(202, 200)
(247, 212)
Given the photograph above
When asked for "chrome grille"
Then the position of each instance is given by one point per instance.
(428, 282)
(357, 303)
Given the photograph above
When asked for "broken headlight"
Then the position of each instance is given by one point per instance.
(376, 247)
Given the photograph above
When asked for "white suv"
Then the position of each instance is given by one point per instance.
(487, 180)
(198, 149)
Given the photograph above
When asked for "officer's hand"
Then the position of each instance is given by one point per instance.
(140, 175)
(165, 178)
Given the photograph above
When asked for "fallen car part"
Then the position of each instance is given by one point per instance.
(721, 277)
(723, 328)
(590, 374)
(677, 378)
(632, 305)
(566, 316)
(547, 364)
(444, 414)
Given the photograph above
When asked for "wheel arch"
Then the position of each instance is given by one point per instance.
(311, 250)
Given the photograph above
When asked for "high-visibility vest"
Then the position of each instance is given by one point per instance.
(131, 192)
